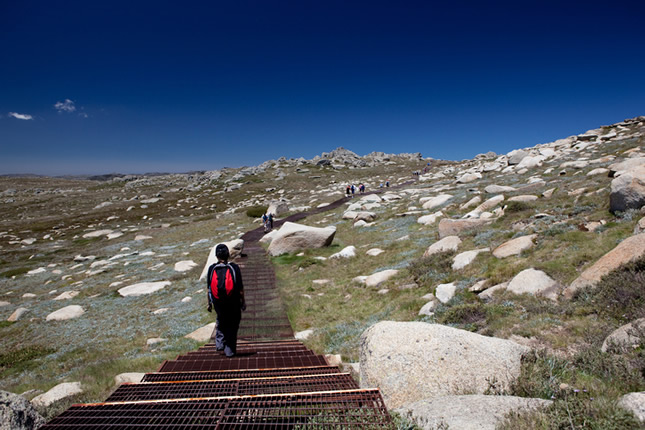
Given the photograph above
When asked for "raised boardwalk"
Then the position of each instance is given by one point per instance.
(274, 382)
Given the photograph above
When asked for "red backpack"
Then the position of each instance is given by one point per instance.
(222, 281)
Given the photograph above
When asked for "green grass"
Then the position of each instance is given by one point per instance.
(14, 272)
(21, 359)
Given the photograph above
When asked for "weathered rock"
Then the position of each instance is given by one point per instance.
(524, 198)
(445, 292)
(617, 169)
(140, 237)
(627, 337)
(453, 227)
(534, 282)
(59, 392)
(634, 402)
(278, 207)
(202, 334)
(374, 252)
(97, 233)
(530, 162)
(497, 189)
(365, 216)
(17, 314)
(465, 258)
(67, 295)
(488, 293)
(598, 171)
(16, 413)
(486, 206)
(130, 377)
(448, 243)
(468, 412)
(143, 288)
(347, 252)
(430, 219)
(435, 202)
(66, 313)
(350, 214)
(409, 361)
(267, 238)
(516, 156)
(380, 277)
(627, 250)
(468, 177)
(3, 303)
(628, 190)
(514, 246)
(185, 265)
(428, 308)
(472, 202)
(303, 335)
(640, 226)
(294, 237)
(235, 248)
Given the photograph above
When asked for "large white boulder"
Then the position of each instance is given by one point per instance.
(435, 202)
(430, 219)
(294, 237)
(534, 282)
(445, 292)
(628, 190)
(409, 361)
(60, 391)
(97, 233)
(625, 338)
(16, 413)
(129, 377)
(235, 248)
(627, 250)
(468, 412)
(514, 246)
(202, 334)
(278, 207)
(380, 277)
(465, 258)
(447, 244)
(17, 314)
(143, 288)
(66, 313)
(453, 227)
(634, 402)
(185, 265)
(347, 252)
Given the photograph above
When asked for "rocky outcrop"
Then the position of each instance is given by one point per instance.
(347, 252)
(535, 282)
(380, 277)
(468, 412)
(185, 265)
(202, 334)
(66, 313)
(627, 250)
(628, 190)
(634, 402)
(447, 244)
(59, 392)
(142, 288)
(453, 227)
(409, 361)
(16, 413)
(514, 246)
(278, 207)
(294, 237)
(465, 258)
(626, 338)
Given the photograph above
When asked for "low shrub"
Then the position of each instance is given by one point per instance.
(620, 295)
(20, 357)
(517, 207)
(14, 272)
(432, 269)
(256, 211)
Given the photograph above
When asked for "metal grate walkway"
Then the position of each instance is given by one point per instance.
(274, 381)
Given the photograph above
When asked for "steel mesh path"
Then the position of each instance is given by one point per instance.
(274, 382)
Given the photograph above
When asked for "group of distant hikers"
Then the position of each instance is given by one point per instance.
(350, 189)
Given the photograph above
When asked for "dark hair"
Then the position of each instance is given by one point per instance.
(221, 252)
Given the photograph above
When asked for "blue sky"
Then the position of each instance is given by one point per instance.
(141, 86)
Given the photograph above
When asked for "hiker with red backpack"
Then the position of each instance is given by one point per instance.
(226, 295)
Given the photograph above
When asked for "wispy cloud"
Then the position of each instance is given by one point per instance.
(83, 115)
(23, 116)
(66, 106)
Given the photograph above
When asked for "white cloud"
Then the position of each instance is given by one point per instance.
(21, 116)
(83, 115)
(66, 106)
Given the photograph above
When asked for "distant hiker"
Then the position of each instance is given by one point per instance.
(353, 189)
(348, 191)
(226, 295)
(265, 222)
(270, 221)
(387, 183)
(361, 188)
